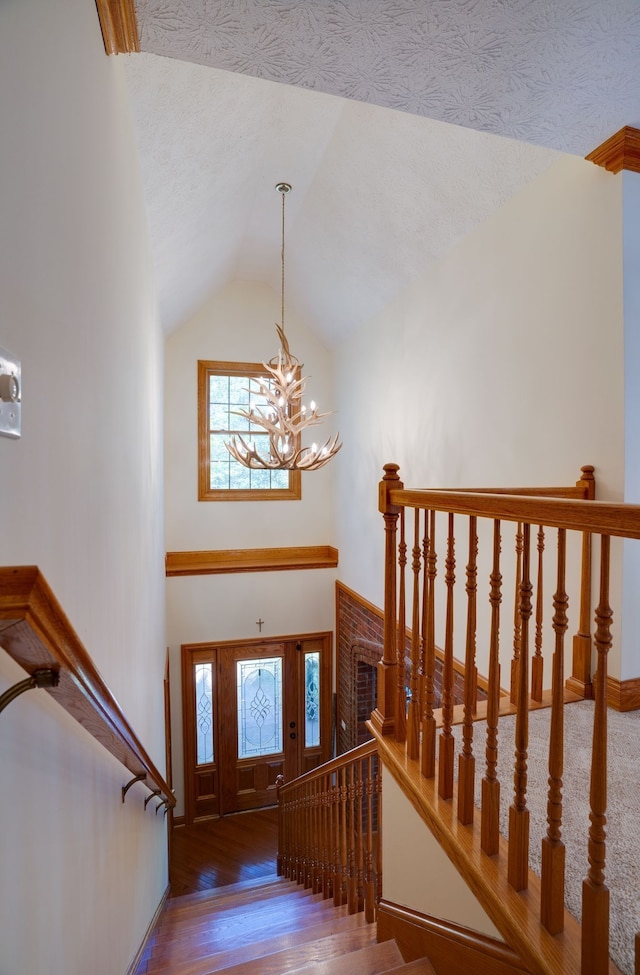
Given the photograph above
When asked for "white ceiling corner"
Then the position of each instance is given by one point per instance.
(400, 124)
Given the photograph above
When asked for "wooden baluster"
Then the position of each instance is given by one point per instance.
(315, 837)
(413, 720)
(370, 884)
(537, 661)
(553, 850)
(422, 664)
(304, 836)
(344, 847)
(446, 753)
(580, 681)
(384, 715)
(595, 893)
(316, 872)
(517, 623)
(518, 863)
(331, 831)
(336, 836)
(281, 827)
(352, 869)
(313, 844)
(378, 821)
(401, 704)
(466, 761)
(292, 836)
(299, 820)
(360, 828)
(490, 825)
(428, 758)
(324, 834)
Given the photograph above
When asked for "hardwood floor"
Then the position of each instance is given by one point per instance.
(223, 851)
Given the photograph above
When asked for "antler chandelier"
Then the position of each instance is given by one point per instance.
(282, 415)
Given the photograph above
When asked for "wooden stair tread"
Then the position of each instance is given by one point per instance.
(372, 960)
(215, 961)
(229, 890)
(238, 925)
(421, 966)
(292, 958)
(241, 903)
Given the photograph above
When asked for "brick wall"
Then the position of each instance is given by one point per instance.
(359, 626)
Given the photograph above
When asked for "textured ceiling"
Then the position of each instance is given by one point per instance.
(389, 118)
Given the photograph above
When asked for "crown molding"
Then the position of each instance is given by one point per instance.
(621, 151)
(119, 26)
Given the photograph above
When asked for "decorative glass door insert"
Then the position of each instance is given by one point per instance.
(259, 691)
(312, 699)
(204, 713)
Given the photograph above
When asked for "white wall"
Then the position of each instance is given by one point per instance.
(416, 872)
(502, 365)
(80, 492)
(237, 324)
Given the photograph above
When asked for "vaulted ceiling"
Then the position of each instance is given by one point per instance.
(401, 125)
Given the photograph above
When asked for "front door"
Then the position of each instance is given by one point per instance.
(253, 711)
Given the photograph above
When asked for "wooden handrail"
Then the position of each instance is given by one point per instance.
(353, 755)
(35, 631)
(595, 517)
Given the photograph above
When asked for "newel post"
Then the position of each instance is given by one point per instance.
(580, 681)
(384, 716)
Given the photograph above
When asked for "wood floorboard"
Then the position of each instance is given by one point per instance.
(218, 852)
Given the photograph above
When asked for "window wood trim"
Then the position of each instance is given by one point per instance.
(205, 492)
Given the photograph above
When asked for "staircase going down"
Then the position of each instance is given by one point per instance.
(268, 927)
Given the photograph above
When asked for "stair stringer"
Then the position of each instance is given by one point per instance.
(516, 915)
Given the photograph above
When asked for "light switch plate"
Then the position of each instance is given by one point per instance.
(11, 406)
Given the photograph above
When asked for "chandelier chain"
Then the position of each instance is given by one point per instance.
(283, 194)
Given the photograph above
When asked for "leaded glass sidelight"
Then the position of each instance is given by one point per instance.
(204, 713)
(312, 699)
(259, 686)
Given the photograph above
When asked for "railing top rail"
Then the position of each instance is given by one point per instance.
(596, 517)
(35, 631)
(354, 755)
(578, 491)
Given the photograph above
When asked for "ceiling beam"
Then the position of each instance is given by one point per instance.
(119, 26)
(621, 151)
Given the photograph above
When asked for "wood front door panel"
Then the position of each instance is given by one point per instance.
(278, 723)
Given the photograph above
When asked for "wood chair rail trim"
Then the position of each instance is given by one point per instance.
(219, 561)
(35, 631)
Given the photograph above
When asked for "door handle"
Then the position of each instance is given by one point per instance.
(292, 724)
(293, 735)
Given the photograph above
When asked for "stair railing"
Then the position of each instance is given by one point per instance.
(442, 599)
(35, 631)
(329, 830)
